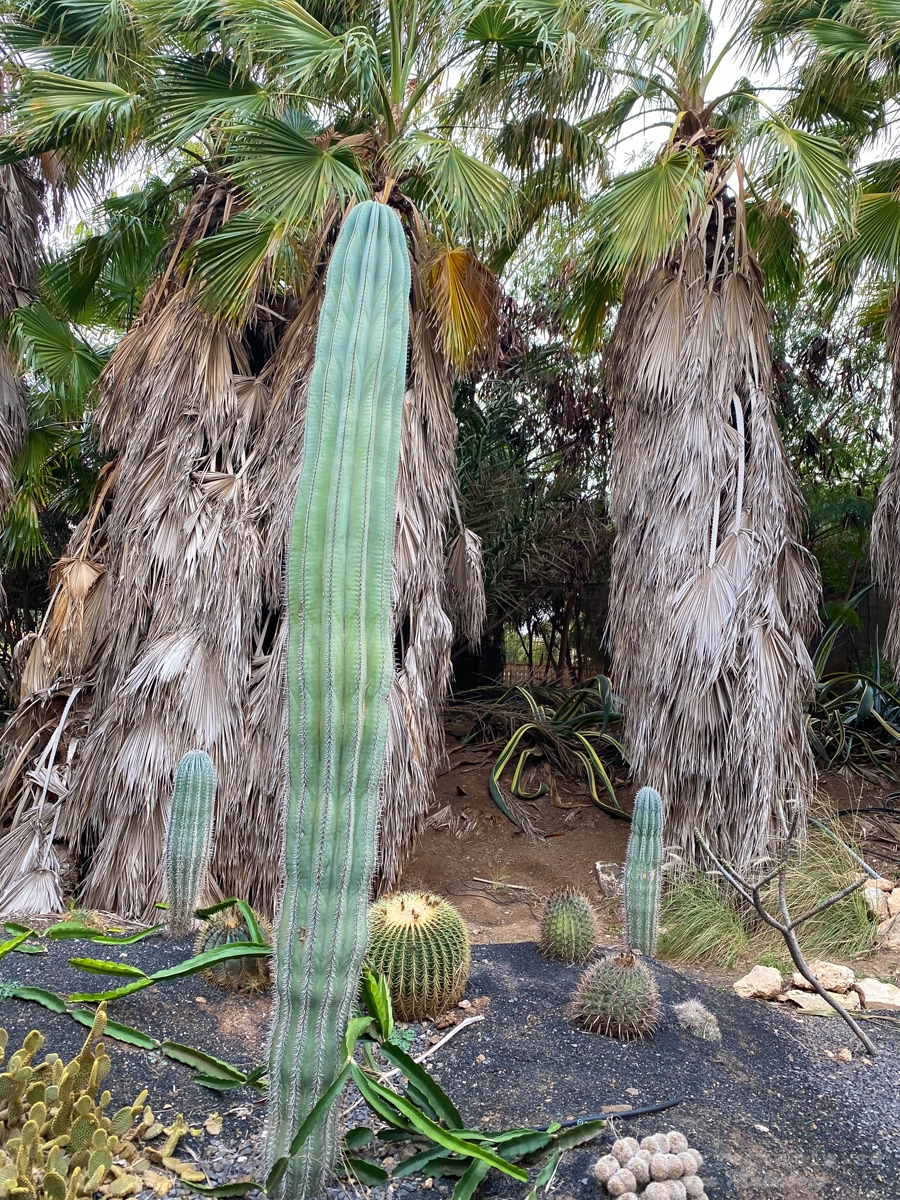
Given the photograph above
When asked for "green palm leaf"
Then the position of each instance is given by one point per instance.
(458, 185)
(290, 176)
(808, 167)
(647, 211)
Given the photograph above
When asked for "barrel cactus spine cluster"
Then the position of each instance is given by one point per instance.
(617, 996)
(339, 669)
(244, 976)
(420, 943)
(189, 835)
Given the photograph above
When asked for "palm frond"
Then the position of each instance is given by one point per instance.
(465, 297)
(645, 212)
(290, 176)
(806, 167)
(456, 185)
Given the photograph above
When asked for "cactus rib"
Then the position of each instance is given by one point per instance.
(339, 669)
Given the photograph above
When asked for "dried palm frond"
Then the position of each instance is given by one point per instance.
(465, 298)
(465, 585)
(711, 594)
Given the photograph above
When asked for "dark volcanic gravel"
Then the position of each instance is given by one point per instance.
(774, 1117)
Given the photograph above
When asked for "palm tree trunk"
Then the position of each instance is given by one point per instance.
(711, 594)
(886, 520)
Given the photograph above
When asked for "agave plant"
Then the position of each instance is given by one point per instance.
(569, 729)
(854, 718)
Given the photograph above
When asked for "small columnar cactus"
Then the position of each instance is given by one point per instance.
(246, 976)
(420, 944)
(643, 872)
(568, 927)
(189, 837)
(618, 997)
(661, 1167)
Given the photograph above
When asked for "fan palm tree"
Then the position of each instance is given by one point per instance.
(168, 608)
(712, 597)
(857, 46)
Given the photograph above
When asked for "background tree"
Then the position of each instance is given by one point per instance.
(712, 596)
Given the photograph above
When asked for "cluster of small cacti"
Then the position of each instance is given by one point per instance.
(246, 976)
(660, 1167)
(56, 1141)
(420, 944)
(568, 927)
(189, 837)
(618, 997)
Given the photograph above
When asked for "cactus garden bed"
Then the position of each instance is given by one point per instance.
(771, 1112)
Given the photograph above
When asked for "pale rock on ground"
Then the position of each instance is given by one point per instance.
(875, 994)
(832, 977)
(877, 901)
(894, 902)
(762, 983)
(812, 1002)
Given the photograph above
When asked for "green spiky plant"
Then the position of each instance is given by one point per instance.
(420, 943)
(339, 668)
(643, 872)
(189, 837)
(618, 997)
(246, 976)
(568, 927)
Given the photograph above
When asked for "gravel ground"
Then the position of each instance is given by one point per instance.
(773, 1115)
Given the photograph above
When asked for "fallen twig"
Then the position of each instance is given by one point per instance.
(516, 887)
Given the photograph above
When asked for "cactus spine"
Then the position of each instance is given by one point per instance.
(568, 927)
(339, 669)
(189, 837)
(643, 872)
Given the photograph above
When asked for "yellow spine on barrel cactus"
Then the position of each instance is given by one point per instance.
(420, 944)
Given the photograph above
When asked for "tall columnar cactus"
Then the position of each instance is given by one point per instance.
(339, 668)
(643, 872)
(189, 837)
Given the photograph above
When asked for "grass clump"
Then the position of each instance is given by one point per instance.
(701, 921)
(704, 920)
(820, 868)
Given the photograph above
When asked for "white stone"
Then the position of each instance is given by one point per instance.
(877, 902)
(832, 977)
(762, 983)
(894, 902)
(884, 885)
(812, 1002)
(875, 994)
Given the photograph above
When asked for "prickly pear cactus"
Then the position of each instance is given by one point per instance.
(420, 944)
(643, 872)
(618, 997)
(568, 927)
(57, 1141)
(246, 976)
(189, 837)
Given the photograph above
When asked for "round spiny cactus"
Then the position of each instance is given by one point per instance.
(247, 976)
(420, 944)
(568, 927)
(618, 997)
